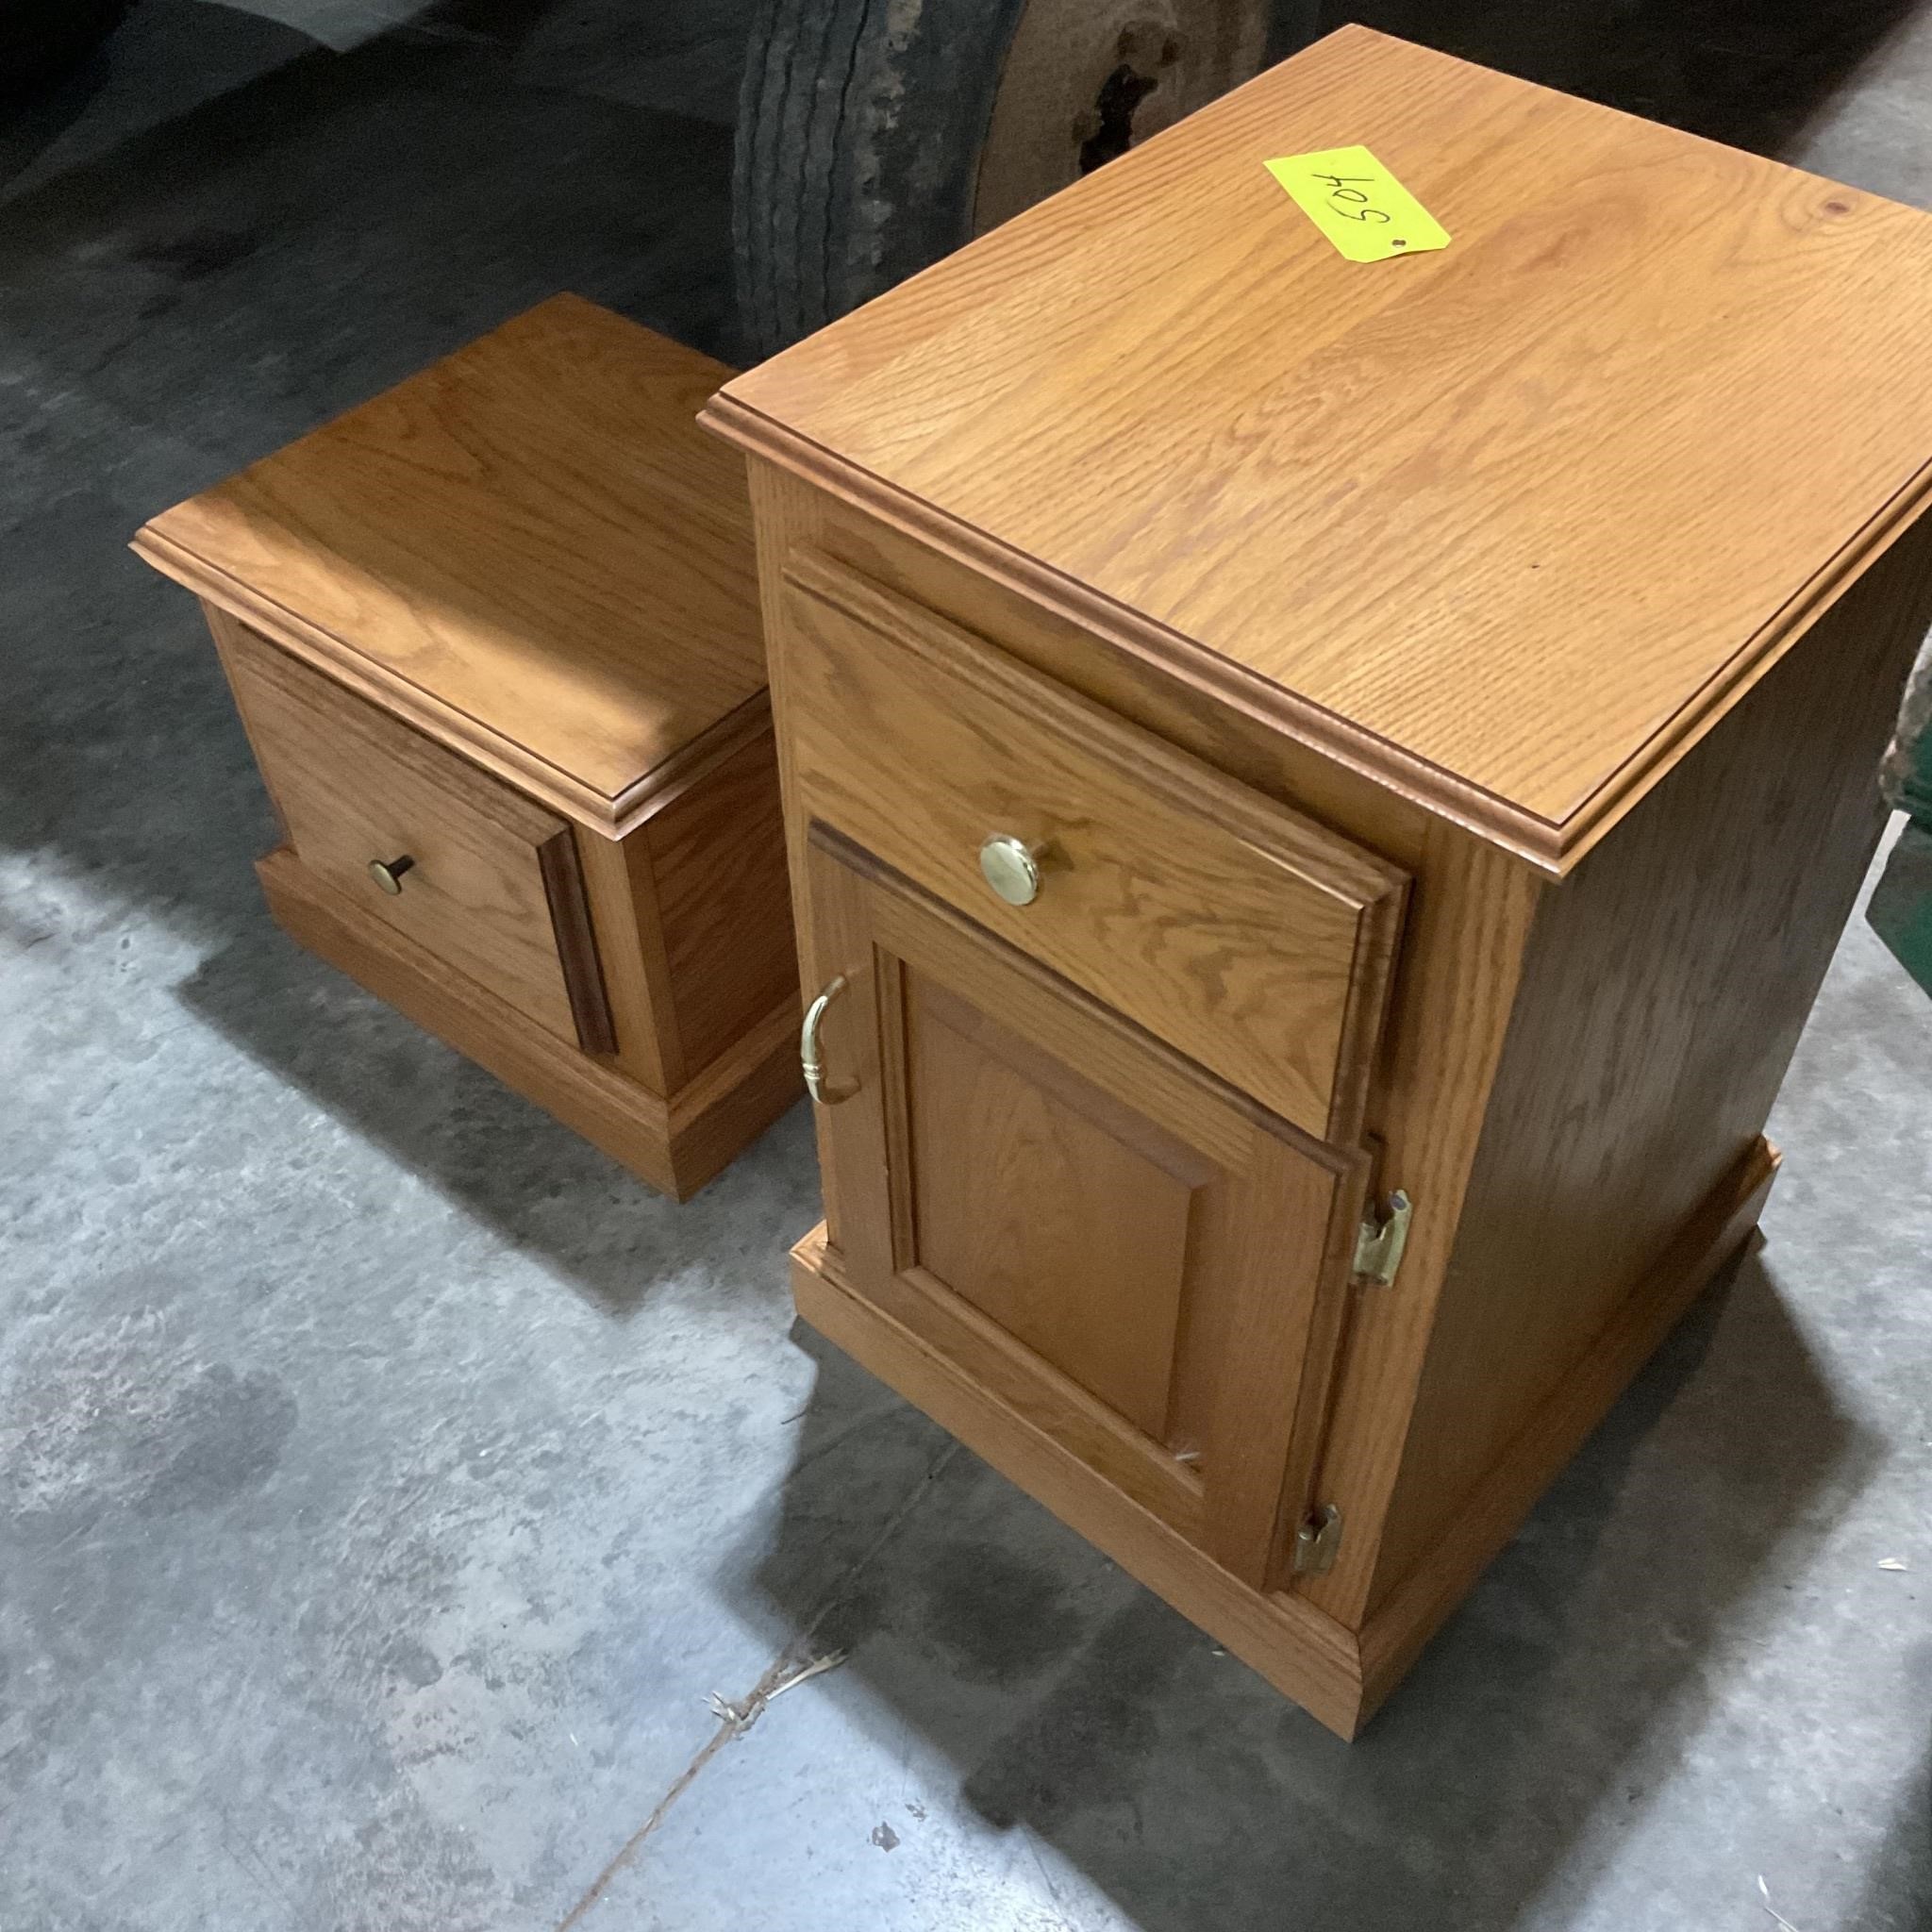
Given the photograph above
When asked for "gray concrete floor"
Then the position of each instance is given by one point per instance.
(386, 1481)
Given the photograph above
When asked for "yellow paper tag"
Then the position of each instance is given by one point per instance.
(1358, 204)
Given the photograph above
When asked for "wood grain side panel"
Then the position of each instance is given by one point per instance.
(1468, 917)
(630, 948)
(1491, 1512)
(716, 1116)
(787, 515)
(1306, 1656)
(1665, 987)
(717, 861)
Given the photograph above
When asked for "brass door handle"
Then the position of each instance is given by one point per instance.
(1012, 866)
(811, 1060)
(388, 873)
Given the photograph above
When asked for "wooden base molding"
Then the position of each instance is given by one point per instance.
(1341, 1679)
(676, 1144)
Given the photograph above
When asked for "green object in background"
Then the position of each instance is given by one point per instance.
(1901, 908)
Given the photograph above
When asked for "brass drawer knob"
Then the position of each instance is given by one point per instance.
(812, 1061)
(388, 873)
(1011, 868)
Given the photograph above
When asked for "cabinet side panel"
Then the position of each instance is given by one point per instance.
(717, 856)
(1663, 991)
(624, 917)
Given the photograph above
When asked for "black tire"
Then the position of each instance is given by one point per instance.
(856, 150)
(41, 39)
(862, 125)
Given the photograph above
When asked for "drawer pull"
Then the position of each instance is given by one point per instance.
(810, 1062)
(1011, 868)
(388, 873)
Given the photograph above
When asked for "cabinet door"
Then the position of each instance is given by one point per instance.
(1134, 1256)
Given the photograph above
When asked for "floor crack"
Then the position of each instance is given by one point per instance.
(792, 1665)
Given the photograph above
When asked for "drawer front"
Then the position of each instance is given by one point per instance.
(1252, 939)
(492, 887)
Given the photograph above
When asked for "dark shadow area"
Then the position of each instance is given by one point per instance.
(187, 300)
(1898, 1895)
(509, 1164)
(166, 56)
(1079, 1707)
(216, 285)
(1746, 71)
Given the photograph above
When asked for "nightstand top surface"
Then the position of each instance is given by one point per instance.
(530, 549)
(1507, 525)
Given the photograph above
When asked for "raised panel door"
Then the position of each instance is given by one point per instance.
(1119, 1246)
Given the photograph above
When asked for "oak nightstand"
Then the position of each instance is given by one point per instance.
(494, 641)
(1321, 794)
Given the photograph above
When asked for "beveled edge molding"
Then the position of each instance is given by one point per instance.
(614, 816)
(1555, 846)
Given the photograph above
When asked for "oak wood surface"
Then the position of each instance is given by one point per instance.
(716, 856)
(1245, 934)
(576, 943)
(1468, 522)
(1054, 1183)
(1470, 914)
(867, 1138)
(1662, 993)
(529, 548)
(1133, 686)
(630, 946)
(717, 1114)
(1136, 1257)
(352, 786)
(675, 1146)
(1570, 572)
(1491, 1513)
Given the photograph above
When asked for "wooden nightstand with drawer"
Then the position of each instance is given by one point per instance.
(1320, 794)
(493, 638)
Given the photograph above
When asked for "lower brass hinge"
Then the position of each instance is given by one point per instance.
(1380, 1239)
(1317, 1540)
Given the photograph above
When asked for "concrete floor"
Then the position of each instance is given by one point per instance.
(387, 1482)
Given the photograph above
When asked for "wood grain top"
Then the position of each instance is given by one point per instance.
(529, 550)
(1507, 527)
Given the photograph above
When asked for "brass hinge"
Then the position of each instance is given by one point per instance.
(1317, 1540)
(1380, 1239)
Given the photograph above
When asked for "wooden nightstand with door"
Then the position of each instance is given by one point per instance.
(1321, 794)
